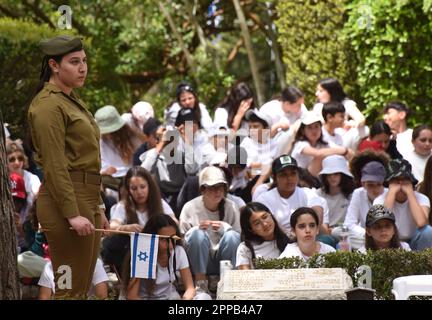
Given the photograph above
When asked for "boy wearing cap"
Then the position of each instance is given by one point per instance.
(286, 196)
(372, 179)
(396, 115)
(173, 159)
(410, 207)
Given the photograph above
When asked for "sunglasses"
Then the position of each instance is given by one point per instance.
(13, 159)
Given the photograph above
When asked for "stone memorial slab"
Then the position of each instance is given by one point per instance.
(284, 284)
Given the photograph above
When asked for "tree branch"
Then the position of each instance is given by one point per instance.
(8, 12)
(39, 13)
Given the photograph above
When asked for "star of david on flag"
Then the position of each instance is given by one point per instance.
(144, 251)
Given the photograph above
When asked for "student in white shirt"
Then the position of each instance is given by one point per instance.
(117, 144)
(337, 187)
(422, 142)
(261, 148)
(142, 200)
(99, 287)
(172, 262)
(211, 225)
(333, 113)
(305, 229)
(381, 230)
(410, 207)
(262, 237)
(230, 113)
(187, 98)
(372, 178)
(286, 196)
(284, 112)
(396, 116)
(354, 129)
(309, 146)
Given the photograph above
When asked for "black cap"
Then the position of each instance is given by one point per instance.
(378, 212)
(400, 168)
(60, 45)
(151, 126)
(284, 161)
(185, 114)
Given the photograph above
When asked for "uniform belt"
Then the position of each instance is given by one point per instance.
(85, 177)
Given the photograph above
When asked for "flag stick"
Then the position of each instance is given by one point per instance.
(128, 232)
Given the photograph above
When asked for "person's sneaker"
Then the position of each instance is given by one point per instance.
(202, 286)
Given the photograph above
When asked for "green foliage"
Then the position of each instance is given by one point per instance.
(386, 265)
(392, 42)
(313, 45)
(20, 58)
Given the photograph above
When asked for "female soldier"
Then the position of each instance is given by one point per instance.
(66, 142)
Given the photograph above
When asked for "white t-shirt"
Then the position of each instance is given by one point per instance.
(32, 185)
(418, 164)
(266, 250)
(237, 200)
(164, 288)
(337, 205)
(239, 181)
(404, 143)
(403, 245)
(282, 208)
(313, 199)
(273, 109)
(293, 250)
(357, 211)
(263, 153)
(110, 157)
(304, 160)
(221, 120)
(404, 221)
(336, 138)
(350, 108)
(47, 277)
(6, 131)
(118, 212)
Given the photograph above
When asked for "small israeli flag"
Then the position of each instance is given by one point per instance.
(144, 251)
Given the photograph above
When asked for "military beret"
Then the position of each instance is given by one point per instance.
(60, 45)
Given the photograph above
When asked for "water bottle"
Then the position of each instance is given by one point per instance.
(344, 243)
(224, 266)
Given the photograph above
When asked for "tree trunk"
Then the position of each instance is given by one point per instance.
(272, 34)
(179, 38)
(250, 52)
(9, 281)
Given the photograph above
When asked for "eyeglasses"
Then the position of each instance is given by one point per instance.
(258, 223)
(13, 159)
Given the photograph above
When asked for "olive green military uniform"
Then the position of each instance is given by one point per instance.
(66, 140)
